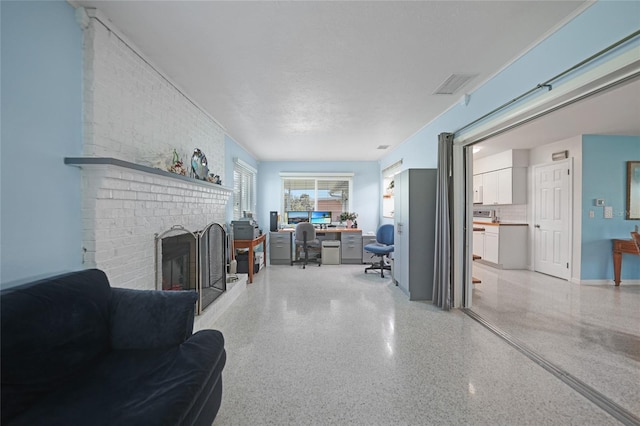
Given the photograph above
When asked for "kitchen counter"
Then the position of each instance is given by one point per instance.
(502, 245)
(499, 224)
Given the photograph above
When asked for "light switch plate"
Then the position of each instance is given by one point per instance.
(608, 212)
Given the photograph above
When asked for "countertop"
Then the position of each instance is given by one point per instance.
(497, 224)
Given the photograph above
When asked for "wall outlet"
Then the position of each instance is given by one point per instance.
(592, 214)
(608, 212)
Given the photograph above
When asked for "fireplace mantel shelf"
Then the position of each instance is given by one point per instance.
(109, 161)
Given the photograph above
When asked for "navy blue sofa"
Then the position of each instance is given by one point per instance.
(77, 352)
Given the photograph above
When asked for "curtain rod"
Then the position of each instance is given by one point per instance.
(547, 84)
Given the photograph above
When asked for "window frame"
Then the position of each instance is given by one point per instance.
(336, 176)
(249, 175)
(388, 175)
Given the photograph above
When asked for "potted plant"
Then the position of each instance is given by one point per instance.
(348, 217)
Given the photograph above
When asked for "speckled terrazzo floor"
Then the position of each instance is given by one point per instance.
(591, 332)
(332, 345)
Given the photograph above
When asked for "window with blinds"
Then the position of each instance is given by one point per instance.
(244, 189)
(319, 193)
(388, 183)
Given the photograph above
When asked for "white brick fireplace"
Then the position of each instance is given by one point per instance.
(134, 118)
(125, 205)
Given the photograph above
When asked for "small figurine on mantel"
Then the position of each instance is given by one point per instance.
(176, 165)
(214, 179)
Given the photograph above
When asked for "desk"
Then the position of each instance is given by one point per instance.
(350, 242)
(619, 247)
(250, 244)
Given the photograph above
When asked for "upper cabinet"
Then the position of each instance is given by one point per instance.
(501, 178)
(506, 186)
(477, 189)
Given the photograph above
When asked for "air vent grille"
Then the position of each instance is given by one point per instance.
(383, 146)
(453, 83)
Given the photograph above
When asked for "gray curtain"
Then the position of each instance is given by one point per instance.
(442, 271)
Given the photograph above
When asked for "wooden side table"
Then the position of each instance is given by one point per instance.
(250, 244)
(619, 247)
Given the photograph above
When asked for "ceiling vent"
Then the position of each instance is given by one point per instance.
(383, 146)
(453, 83)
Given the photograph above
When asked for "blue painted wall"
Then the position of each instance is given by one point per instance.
(233, 150)
(601, 25)
(41, 226)
(604, 175)
(366, 187)
(42, 113)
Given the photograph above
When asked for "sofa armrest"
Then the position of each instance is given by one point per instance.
(147, 319)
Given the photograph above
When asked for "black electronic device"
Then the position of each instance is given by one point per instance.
(273, 221)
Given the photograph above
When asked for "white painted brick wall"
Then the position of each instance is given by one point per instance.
(135, 114)
(123, 209)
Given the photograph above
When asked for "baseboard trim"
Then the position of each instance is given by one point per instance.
(608, 282)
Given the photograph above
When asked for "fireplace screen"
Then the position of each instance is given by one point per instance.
(213, 263)
(193, 261)
(179, 262)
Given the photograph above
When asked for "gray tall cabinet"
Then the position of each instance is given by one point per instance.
(414, 217)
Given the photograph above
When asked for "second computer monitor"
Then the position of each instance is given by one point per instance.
(294, 218)
(321, 218)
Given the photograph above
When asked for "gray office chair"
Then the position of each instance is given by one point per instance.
(382, 248)
(306, 239)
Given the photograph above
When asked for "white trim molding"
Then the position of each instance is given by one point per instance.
(622, 68)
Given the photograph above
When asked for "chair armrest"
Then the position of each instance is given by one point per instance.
(147, 319)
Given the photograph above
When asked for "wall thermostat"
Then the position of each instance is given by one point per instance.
(598, 202)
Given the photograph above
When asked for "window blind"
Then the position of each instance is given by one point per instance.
(244, 188)
(320, 193)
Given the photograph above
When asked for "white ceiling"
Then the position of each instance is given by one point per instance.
(329, 80)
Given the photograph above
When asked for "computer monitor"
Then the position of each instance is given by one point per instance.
(297, 217)
(321, 218)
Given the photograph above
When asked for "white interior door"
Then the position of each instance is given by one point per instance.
(552, 218)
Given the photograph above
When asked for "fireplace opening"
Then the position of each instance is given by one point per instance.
(193, 261)
(178, 265)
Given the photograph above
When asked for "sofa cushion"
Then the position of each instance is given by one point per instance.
(136, 387)
(147, 319)
(51, 331)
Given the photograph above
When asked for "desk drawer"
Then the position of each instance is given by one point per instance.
(279, 248)
(351, 245)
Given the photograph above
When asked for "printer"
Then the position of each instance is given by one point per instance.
(246, 229)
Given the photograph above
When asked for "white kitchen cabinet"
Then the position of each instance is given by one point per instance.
(505, 186)
(512, 158)
(490, 188)
(492, 244)
(505, 245)
(477, 189)
(478, 243)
